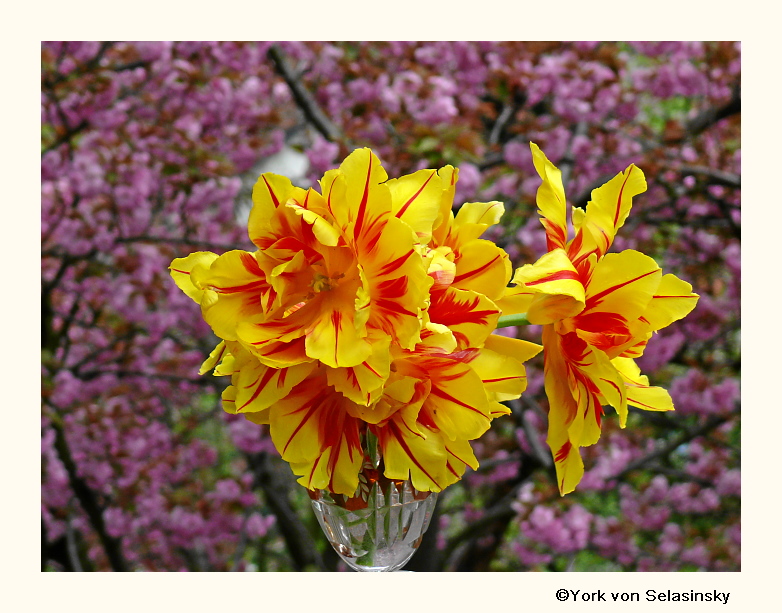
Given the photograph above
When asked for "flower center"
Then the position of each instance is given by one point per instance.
(322, 283)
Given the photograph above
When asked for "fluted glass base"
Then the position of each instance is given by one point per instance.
(378, 530)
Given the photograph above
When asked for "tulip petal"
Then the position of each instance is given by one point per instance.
(258, 386)
(363, 383)
(672, 301)
(240, 290)
(459, 455)
(605, 214)
(442, 225)
(314, 433)
(550, 200)
(558, 285)
(367, 199)
(482, 267)
(504, 377)
(269, 193)
(397, 283)
(457, 404)
(473, 219)
(563, 411)
(516, 300)
(216, 356)
(415, 199)
(639, 393)
(182, 267)
(622, 283)
(469, 315)
(333, 338)
(418, 454)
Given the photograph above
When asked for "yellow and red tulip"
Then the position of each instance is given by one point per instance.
(598, 310)
(367, 310)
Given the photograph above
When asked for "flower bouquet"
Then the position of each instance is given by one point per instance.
(361, 331)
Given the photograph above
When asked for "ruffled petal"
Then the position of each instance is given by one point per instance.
(562, 413)
(333, 339)
(314, 432)
(182, 267)
(606, 213)
(639, 393)
(470, 316)
(622, 283)
(552, 205)
(557, 285)
(396, 282)
(240, 289)
(415, 199)
(457, 404)
(367, 199)
(672, 301)
(482, 267)
(504, 376)
(258, 386)
(417, 453)
(269, 192)
(363, 383)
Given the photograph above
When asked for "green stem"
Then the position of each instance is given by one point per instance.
(519, 319)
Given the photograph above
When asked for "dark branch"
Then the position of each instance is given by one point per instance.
(300, 543)
(667, 449)
(711, 116)
(303, 98)
(89, 501)
(717, 177)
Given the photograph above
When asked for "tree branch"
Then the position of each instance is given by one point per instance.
(665, 450)
(89, 501)
(709, 117)
(298, 540)
(303, 98)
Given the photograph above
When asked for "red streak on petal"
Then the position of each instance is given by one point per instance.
(414, 196)
(593, 301)
(270, 372)
(614, 385)
(271, 193)
(619, 199)
(314, 406)
(184, 272)
(314, 467)
(392, 307)
(372, 370)
(400, 439)
(555, 235)
(476, 271)
(440, 393)
(281, 379)
(251, 264)
(363, 204)
(636, 403)
(563, 452)
(501, 379)
(456, 456)
(336, 320)
(255, 285)
(394, 264)
(560, 275)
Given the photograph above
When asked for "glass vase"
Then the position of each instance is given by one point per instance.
(379, 528)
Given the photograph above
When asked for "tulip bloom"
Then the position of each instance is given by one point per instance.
(598, 310)
(367, 308)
